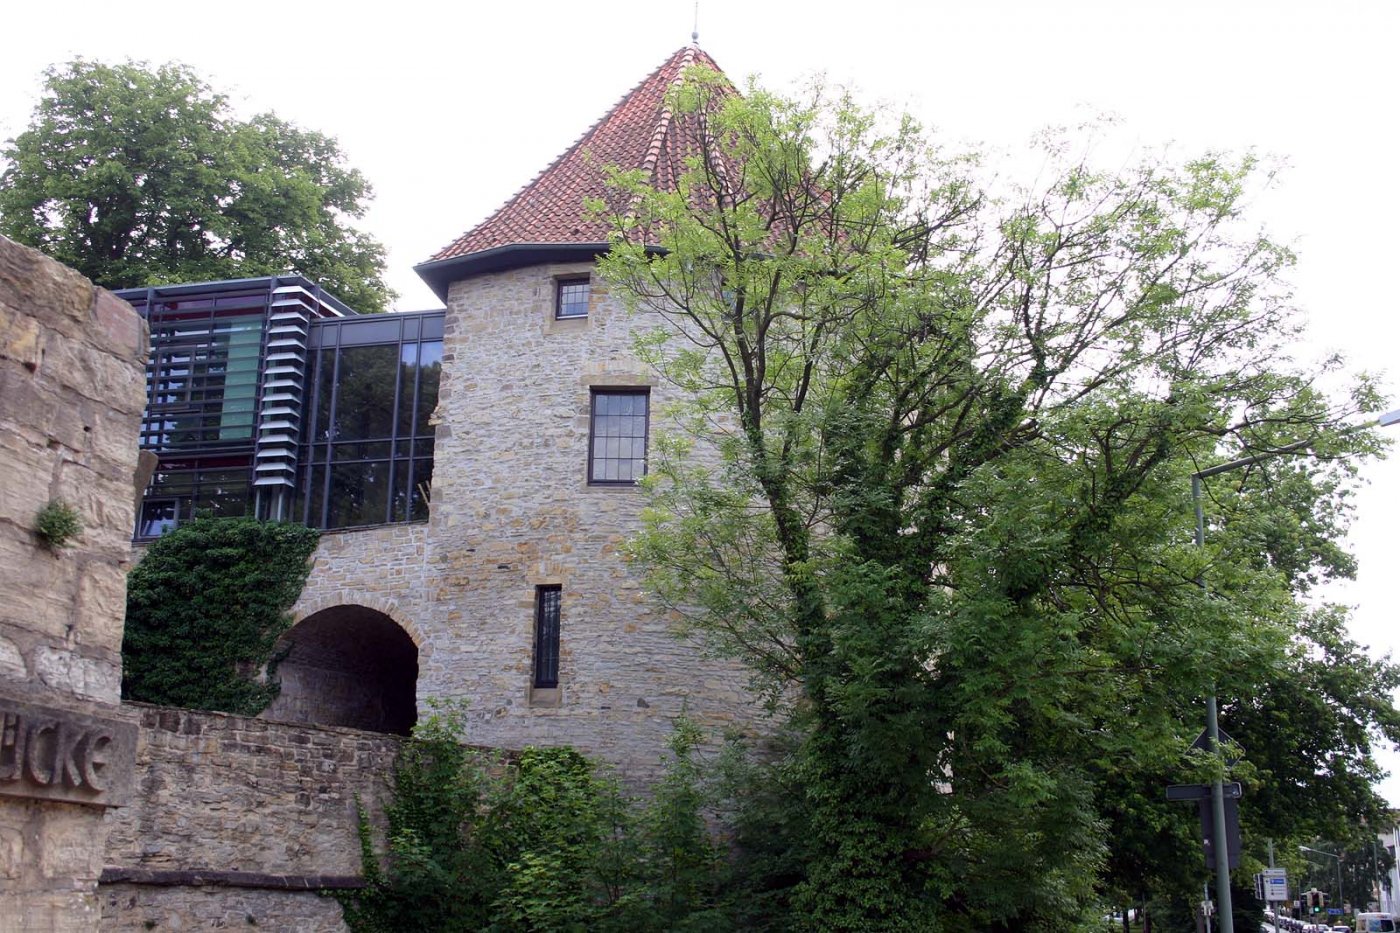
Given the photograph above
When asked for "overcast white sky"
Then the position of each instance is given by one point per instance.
(449, 109)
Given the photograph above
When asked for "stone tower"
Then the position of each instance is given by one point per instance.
(515, 593)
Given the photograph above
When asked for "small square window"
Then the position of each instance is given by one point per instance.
(617, 441)
(571, 298)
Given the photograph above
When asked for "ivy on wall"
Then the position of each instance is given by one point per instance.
(205, 608)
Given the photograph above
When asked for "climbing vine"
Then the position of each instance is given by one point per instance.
(205, 608)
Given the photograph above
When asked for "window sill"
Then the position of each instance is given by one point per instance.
(546, 697)
(565, 325)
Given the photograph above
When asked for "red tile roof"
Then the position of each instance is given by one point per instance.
(638, 132)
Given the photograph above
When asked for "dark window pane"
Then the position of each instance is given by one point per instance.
(547, 599)
(156, 518)
(316, 492)
(379, 328)
(422, 490)
(365, 392)
(359, 494)
(374, 450)
(324, 380)
(400, 501)
(224, 500)
(408, 379)
(298, 513)
(429, 373)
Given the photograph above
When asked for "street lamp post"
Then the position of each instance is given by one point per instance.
(1340, 896)
(1220, 840)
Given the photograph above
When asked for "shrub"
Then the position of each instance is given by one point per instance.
(57, 523)
(205, 608)
(543, 843)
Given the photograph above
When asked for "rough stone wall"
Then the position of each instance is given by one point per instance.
(383, 568)
(231, 793)
(512, 510)
(224, 796)
(133, 907)
(72, 388)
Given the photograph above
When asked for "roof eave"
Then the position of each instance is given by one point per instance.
(439, 274)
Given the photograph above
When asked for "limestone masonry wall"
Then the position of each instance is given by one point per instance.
(512, 510)
(383, 568)
(132, 906)
(72, 387)
(225, 801)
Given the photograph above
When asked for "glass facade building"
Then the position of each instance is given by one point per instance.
(268, 397)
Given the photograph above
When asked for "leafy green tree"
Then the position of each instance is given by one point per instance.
(142, 176)
(932, 489)
(204, 609)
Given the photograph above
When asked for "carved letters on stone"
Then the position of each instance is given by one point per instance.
(52, 754)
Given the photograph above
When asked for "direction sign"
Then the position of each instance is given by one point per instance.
(1201, 791)
(1202, 743)
(1275, 884)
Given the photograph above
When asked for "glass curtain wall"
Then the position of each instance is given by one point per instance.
(367, 453)
(202, 387)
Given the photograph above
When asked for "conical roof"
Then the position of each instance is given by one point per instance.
(545, 220)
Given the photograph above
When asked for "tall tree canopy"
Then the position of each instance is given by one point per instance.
(934, 492)
(139, 176)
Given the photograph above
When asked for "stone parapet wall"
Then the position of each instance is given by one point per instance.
(236, 794)
(133, 907)
(238, 817)
(72, 388)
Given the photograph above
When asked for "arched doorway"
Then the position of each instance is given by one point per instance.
(347, 666)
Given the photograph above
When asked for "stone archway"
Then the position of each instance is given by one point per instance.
(351, 666)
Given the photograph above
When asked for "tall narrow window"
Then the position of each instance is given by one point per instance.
(571, 298)
(547, 636)
(618, 436)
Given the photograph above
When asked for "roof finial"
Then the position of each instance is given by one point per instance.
(695, 30)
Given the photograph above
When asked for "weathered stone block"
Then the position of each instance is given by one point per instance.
(20, 339)
(94, 374)
(66, 849)
(118, 328)
(27, 472)
(64, 365)
(39, 587)
(86, 677)
(39, 411)
(12, 661)
(101, 605)
(49, 292)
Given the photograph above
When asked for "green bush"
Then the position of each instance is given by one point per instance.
(57, 523)
(542, 843)
(205, 608)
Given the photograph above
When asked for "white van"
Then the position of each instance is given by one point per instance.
(1375, 923)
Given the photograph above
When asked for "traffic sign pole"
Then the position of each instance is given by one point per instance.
(1222, 849)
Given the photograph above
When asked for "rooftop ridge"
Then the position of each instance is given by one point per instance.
(663, 122)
